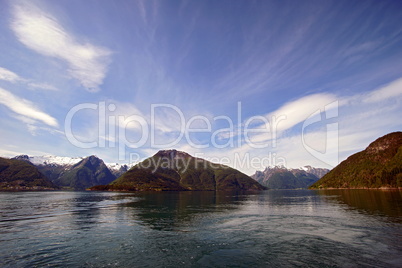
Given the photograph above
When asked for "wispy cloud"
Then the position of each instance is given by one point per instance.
(12, 77)
(123, 111)
(362, 118)
(8, 75)
(9, 153)
(285, 117)
(41, 86)
(26, 110)
(391, 90)
(42, 33)
(297, 111)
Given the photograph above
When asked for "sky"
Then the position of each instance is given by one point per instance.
(249, 84)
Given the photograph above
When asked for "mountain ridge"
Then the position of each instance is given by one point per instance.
(279, 177)
(378, 166)
(66, 161)
(73, 173)
(172, 170)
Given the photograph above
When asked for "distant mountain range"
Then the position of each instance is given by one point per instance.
(166, 170)
(379, 165)
(69, 161)
(279, 177)
(172, 170)
(75, 173)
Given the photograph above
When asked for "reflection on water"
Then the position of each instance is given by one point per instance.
(203, 229)
(373, 201)
(172, 210)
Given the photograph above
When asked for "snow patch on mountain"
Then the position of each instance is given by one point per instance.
(304, 168)
(118, 166)
(280, 177)
(51, 159)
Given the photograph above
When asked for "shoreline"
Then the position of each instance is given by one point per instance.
(361, 188)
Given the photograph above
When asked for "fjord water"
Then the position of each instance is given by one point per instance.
(344, 228)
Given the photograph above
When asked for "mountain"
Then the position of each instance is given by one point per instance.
(72, 173)
(118, 169)
(88, 172)
(283, 178)
(379, 165)
(50, 160)
(16, 175)
(172, 170)
(318, 172)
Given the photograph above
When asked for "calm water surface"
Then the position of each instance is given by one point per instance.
(341, 228)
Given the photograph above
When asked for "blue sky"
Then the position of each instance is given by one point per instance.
(204, 61)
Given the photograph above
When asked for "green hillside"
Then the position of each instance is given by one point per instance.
(379, 165)
(16, 175)
(172, 170)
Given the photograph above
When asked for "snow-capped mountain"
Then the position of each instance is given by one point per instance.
(279, 177)
(119, 169)
(50, 159)
(117, 166)
(67, 161)
(76, 173)
(319, 172)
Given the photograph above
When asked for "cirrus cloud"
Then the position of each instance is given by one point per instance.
(26, 110)
(12, 77)
(42, 33)
(392, 90)
(8, 75)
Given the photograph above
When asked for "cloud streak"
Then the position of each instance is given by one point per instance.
(361, 119)
(389, 91)
(25, 109)
(8, 75)
(12, 77)
(42, 33)
(42, 86)
(297, 111)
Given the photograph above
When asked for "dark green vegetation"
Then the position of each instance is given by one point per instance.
(282, 178)
(172, 170)
(379, 165)
(16, 175)
(89, 172)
